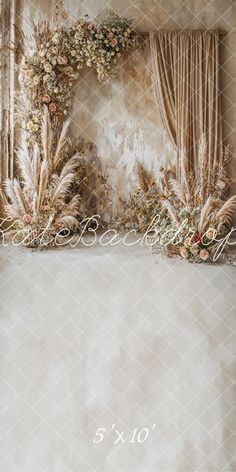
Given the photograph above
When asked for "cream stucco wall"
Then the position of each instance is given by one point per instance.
(121, 117)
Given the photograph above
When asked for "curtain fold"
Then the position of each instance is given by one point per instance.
(185, 70)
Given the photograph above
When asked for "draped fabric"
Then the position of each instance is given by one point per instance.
(185, 69)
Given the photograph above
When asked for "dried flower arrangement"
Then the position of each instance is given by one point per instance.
(47, 75)
(198, 216)
(144, 203)
(43, 206)
(191, 216)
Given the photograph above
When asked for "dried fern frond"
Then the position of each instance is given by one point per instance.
(145, 178)
(172, 212)
(179, 190)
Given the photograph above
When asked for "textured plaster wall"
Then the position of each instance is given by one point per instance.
(121, 117)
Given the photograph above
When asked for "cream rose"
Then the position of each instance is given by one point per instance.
(204, 254)
(183, 252)
(211, 233)
(48, 67)
(187, 242)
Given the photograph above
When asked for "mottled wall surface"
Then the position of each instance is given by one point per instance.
(121, 117)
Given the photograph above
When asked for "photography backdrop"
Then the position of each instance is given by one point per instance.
(121, 117)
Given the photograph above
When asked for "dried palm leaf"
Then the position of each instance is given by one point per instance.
(172, 212)
(225, 214)
(60, 145)
(20, 197)
(46, 136)
(62, 189)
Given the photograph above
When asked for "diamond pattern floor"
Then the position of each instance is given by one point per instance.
(93, 337)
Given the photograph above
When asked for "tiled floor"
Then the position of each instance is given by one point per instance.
(97, 337)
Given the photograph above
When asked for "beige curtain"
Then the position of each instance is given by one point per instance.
(185, 68)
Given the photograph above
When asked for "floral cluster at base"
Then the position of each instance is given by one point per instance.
(48, 75)
(43, 204)
(187, 218)
(144, 203)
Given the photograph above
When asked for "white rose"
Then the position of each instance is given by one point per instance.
(36, 79)
(48, 67)
(55, 38)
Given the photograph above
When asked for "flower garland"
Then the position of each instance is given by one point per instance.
(47, 75)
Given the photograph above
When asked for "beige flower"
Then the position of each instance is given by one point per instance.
(187, 242)
(52, 107)
(211, 233)
(194, 250)
(55, 38)
(183, 252)
(35, 128)
(46, 98)
(114, 42)
(30, 124)
(26, 218)
(204, 254)
(36, 79)
(48, 67)
(62, 60)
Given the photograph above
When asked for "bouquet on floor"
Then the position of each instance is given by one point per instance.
(41, 205)
(198, 218)
(192, 217)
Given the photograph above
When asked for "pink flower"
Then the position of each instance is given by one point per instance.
(46, 98)
(114, 42)
(52, 107)
(26, 218)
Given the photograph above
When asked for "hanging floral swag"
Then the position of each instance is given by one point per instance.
(47, 76)
(60, 184)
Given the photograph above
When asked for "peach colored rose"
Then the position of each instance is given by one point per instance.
(52, 107)
(27, 218)
(183, 252)
(46, 98)
(211, 233)
(204, 254)
(90, 26)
